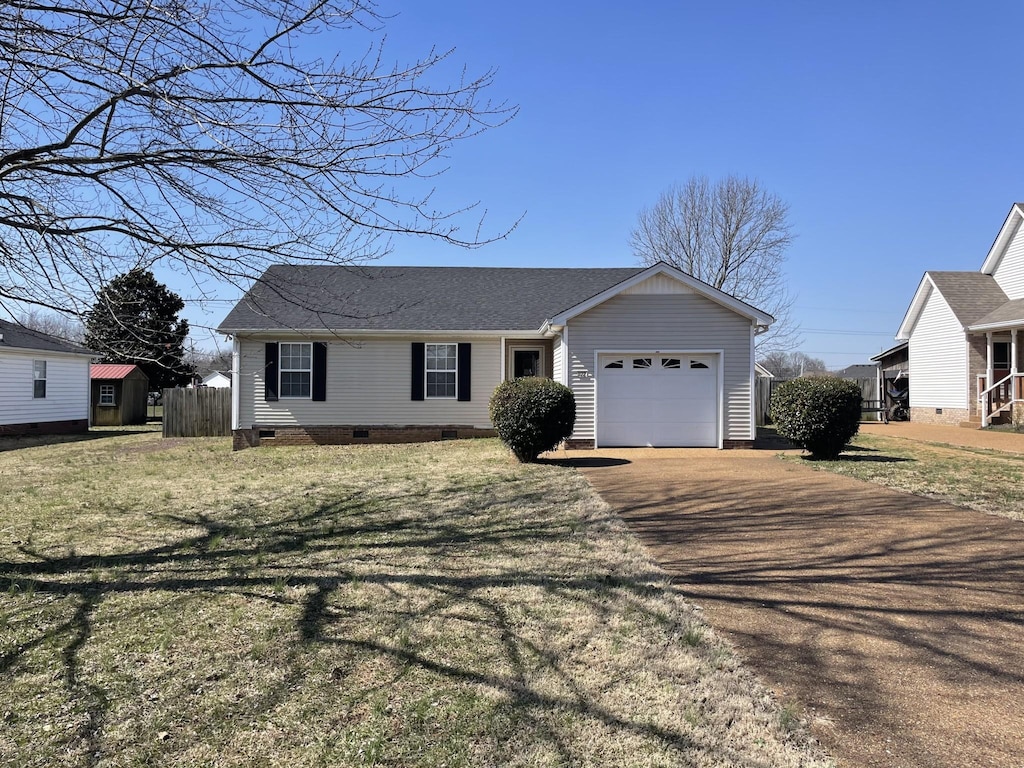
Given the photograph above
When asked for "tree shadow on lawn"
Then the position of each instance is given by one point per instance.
(853, 599)
(377, 590)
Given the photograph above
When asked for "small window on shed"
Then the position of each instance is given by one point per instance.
(613, 364)
(698, 364)
(641, 362)
(670, 362)
(107, 394)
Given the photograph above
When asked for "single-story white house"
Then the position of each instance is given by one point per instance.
(216, 379)
(963, 335)
(44, 383)
(326, 354)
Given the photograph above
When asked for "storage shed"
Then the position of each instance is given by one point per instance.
(118, 395)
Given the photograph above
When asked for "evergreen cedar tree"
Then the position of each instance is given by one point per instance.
(135, 320)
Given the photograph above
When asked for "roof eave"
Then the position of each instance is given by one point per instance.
(519, 332)
(916, 305)
(889, 351)
(41, 351)
(1003, 325)
(1010, 226)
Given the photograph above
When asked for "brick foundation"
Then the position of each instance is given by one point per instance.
(578, 445)
(351, 435)
(952, 416)
(69, 426)
(737, 444)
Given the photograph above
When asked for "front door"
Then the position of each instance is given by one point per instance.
(526, 362)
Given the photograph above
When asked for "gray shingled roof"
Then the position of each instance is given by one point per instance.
(971, 295)
(302, 297)
(1010, 313)
(858, 371)
(19, 337)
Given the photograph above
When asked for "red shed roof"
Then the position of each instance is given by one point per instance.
(110, 371)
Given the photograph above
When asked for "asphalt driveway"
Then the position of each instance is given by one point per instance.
(895, 622)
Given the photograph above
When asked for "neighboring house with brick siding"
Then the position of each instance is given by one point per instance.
(964, 335)
(326, 354)
(44, 383)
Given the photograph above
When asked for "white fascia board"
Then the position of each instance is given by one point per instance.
(1006, 233)
(921, 295)
(705, 290)
(1004, 326)
(35, 351)
(343, 333)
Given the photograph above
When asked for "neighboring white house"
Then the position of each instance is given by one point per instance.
(44, 383)
(963, 331)
(389, 354)
(217, 380)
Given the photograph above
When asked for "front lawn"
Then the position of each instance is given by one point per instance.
(173, 603)
(985, 480)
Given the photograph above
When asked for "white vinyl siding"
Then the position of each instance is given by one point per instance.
(1009, 273)
(649, 323)
(938, 357)
(369, 382)
(558, 361)
(657, 284)
(67, 387)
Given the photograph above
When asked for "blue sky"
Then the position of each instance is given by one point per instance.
(889, 128)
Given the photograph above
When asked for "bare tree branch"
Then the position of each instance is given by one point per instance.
(731, 234)
(194, 134)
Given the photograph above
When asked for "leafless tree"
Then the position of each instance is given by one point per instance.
(731, 234)
(208, 361)
(212, 138)
(790, 365)
(53, 324)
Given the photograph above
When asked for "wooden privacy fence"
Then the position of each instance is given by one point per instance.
(764, 387)
(199, 412)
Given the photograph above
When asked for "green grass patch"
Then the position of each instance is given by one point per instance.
(174, 603)
(985, 480)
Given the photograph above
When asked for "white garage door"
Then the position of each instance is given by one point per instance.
(657, 400)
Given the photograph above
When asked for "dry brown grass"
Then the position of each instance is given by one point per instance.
(985, 480)
(178, 604)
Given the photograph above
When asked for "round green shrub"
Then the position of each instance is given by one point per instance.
(821, 414)
(532, 415)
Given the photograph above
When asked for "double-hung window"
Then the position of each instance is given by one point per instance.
(107, 394)
(38, 378)
(296, 362)
(441, 369)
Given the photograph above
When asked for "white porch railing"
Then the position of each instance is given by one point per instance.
(999, 397)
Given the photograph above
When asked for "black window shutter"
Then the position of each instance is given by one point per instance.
(270, 371)
(465, 372)
(419, 364)
(319, 370)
